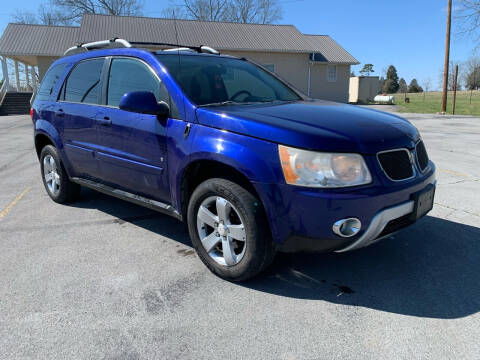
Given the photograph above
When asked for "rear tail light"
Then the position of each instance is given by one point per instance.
(32, 112)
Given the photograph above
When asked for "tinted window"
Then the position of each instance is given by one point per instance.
(213, 79)
(127, 75)
(49, 82)
(83, 84)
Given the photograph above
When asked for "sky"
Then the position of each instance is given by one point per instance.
(410, 34)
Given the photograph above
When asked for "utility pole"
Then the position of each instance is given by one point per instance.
(455, 89)
(475, 68)
(447, 57)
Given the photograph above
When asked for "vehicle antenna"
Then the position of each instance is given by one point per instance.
(178, 54)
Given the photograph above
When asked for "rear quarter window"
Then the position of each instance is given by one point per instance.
(49, 82)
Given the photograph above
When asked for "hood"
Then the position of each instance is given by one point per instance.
(316, 125)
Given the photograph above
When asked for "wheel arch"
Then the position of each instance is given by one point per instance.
(45, 134)
(200, 170)
(42, 140)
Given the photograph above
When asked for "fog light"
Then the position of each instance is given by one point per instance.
(347, 227)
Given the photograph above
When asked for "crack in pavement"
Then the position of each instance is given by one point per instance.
(455, 209)
(460, 182)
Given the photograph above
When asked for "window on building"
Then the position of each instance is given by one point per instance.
(127, 75)
(49, 82)
(83, 84)
(332, 73)
(269, 67)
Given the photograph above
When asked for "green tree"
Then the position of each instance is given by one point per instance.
(393, 76)
(388, 87)
(367, 69)
(402, 86)
(414, 87)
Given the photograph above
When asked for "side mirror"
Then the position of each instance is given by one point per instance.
(144, 102)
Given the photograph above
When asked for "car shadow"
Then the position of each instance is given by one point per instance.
(124, 211)
(431, 269)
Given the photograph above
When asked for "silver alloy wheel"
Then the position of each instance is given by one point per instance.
(50, 173)
(221, 231)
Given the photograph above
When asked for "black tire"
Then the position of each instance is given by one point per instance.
(67, 190)
(259, 247)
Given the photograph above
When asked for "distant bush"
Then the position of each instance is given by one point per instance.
(414, 87)
(389, 87)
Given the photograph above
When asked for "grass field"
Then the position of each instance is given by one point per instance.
(431, 102)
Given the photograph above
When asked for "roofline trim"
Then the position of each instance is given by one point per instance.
(45, 26)
(353, 57)
(334, 63)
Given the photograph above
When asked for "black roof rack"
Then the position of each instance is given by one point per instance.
(115, 42)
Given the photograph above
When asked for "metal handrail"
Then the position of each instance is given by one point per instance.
(3, 91)
(34, 93)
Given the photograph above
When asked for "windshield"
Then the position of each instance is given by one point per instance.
(212, 80)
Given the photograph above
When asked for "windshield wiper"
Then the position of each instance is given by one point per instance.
(231, 102)
(223, 103)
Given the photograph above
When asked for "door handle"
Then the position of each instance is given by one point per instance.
(59, 113)
(105, 121)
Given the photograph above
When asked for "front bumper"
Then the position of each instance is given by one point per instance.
(378, 224)
(302, 219)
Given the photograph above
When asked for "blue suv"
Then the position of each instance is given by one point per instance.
(248, 162)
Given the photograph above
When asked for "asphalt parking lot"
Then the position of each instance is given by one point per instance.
(105, 279)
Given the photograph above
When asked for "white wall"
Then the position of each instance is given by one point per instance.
(294, 68)
(44, 63)
(363, 88)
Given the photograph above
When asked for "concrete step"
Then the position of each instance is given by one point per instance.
(16, 103)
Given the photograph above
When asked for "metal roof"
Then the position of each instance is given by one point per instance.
(220, 35)
(22, 39)
(330, 49)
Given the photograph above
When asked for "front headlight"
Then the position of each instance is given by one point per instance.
(325, 170)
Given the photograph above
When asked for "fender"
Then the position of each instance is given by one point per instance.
(46, 128)
(256, 159)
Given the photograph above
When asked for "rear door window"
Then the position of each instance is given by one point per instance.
(49, 82)
(83, 83)
(127, 75)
